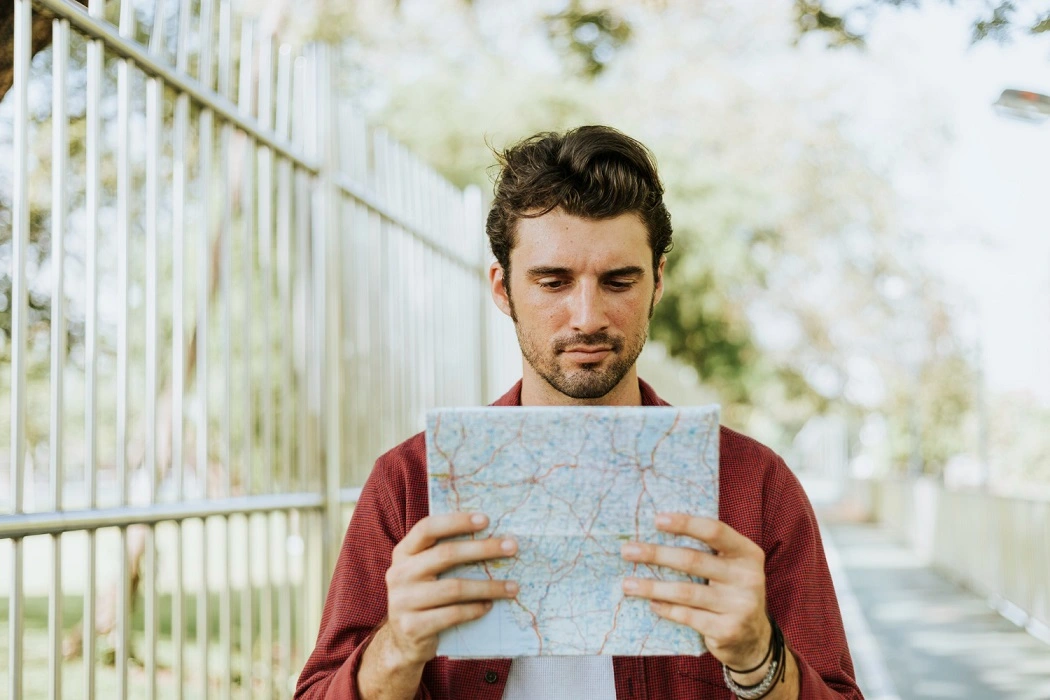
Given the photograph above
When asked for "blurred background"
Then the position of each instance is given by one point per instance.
(242, 251)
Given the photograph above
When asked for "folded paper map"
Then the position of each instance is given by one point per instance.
(571, 485)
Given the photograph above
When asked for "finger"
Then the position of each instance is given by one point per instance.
(714, 533)
(444, 556)
(428, 531)
(428, 623)
(702, 621)
(684, 559)
(429, 595)
(694, 595)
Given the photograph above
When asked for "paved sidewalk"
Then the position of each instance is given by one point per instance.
(916, 636)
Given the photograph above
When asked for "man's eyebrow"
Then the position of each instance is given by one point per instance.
(628, 271)
(545, 270)
(550, 270)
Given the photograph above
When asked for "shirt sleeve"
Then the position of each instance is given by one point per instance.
(800, 594)
(356, 603)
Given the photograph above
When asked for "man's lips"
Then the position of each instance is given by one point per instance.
(584, 353)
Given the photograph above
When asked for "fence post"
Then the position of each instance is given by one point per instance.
(23, 19)
(474, 224)
(328, 247)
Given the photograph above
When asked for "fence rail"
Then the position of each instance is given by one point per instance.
(249, 296)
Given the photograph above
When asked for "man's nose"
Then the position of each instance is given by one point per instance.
(588, 310)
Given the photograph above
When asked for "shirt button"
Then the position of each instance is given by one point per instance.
(491, 676)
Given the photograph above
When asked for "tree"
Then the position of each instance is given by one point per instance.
(1001, 20)
(781, 217)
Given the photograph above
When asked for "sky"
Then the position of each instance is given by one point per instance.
(983, 205)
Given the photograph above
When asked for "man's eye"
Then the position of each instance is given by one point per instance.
(552, 284)
(619, 284)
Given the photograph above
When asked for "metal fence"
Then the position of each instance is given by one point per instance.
(248, 295)
(995, 545)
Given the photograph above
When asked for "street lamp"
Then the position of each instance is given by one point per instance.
(1024, 104)
(1027, 106)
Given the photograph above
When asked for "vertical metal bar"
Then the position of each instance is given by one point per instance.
(93, 140)
(377, 361)
(344, 283)
(383, 391)
(23, 17)
(327, 257)
(424, 184)
(154, 94)
(203, 273)
(437, 319)
(126, 28)
(447, 280)
(284, 274)
(353, 399)
(284, 261)
(407, 260)
(301, 283)
(396, 240)
(424, 192)
(226, 233)
(178, 360)
(247, 255)
(266, 223)
(467, 285)
(265, 205)
(59, 160)
(474, 227)
(284, 607)
(419, 319)
(433, 267)
(265, 110)
(301, 287)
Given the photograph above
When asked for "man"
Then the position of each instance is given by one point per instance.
(580, 232)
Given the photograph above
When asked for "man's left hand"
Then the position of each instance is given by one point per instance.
(729, 611)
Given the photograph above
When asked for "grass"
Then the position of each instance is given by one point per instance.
(36, 650)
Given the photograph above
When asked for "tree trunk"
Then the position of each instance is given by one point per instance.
(41, 39)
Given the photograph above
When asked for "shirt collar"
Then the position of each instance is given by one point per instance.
(513, 397)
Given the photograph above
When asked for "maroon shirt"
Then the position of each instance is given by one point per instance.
(758, 497)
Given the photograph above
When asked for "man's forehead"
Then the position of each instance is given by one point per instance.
(558, 239)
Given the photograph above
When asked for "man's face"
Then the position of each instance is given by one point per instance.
(581, 295)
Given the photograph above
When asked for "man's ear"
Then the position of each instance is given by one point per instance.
(498, 288)
(659, 290)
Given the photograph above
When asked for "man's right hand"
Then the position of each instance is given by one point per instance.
(420, 606)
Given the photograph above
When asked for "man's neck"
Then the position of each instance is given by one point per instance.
(535, 391)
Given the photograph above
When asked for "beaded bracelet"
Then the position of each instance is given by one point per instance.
(774, 674)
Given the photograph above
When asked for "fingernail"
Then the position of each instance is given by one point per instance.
(630, 550)
(663, 519)
(630, 585)
(508, 546)
(478, 519)
(510, 587)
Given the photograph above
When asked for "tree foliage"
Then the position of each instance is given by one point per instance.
(1000, 20)
(782, 220)
(789, 237)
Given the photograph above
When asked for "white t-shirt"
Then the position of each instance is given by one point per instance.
(558, 677)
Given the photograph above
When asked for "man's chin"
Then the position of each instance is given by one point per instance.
(583, 383)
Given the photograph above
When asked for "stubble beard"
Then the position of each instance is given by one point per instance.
(585, 381)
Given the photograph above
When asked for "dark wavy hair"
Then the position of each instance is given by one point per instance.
(593, 172)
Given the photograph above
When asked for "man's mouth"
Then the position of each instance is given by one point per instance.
(587, 353)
